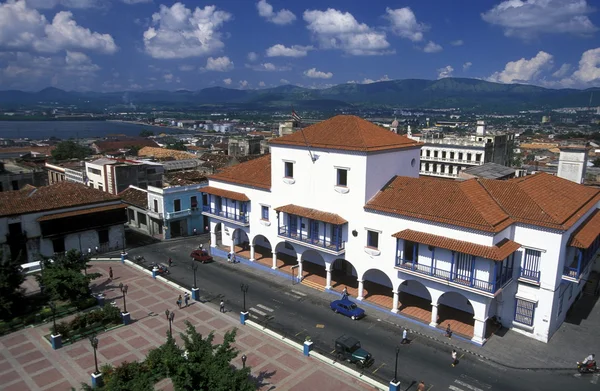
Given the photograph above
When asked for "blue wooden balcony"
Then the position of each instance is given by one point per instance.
(462, 279)
(531, 275)
(322, 242)
(238, 217)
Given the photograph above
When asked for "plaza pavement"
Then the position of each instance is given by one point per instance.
(27, 361)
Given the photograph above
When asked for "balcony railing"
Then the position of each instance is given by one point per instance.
(451, 160)
(319, 242)
(179, 214)
(582, 261)
(465, 280)
(529, 275)
(239, 217)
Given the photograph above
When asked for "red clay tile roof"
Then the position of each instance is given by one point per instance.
(347, 132)
(499, 252)
(103, 146)
(82, 212)
(314, 214)
(587, 232)
(487, 204)
(135, 197)
(232, 195)
(56, 196)
(254, 173)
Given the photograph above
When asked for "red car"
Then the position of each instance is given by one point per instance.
(201, 256)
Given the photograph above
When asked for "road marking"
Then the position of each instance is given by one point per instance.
(264, 307)
(470, 387)
(455, 388)
(595, 379)
(473, 380)
(293, 295)
(299, 293)
(258, 311)
(333, 351)
(320, 326)
(299, 332)
(378, 368)
(277, 301)
(430, 387)
(253, 316)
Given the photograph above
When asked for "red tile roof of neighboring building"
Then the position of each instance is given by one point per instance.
(81, 212)
(253, 173)
(109, 146)
(587, 232)
(487, 204)
(498, 252)
(135, 197)
(313, 214)
(56, 196)
(232, 195)
(347, 132)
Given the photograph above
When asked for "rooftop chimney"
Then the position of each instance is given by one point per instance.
(481, 128)
(572, 163)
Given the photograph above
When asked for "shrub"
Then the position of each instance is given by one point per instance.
(86, 303)
(95, 316)
(110, 314)
(63, 329)
(45, 313)
(79, 322)
(29, 319)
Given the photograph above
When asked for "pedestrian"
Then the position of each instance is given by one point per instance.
(421, 386)
(186, 297)
(170, 261)
(233, 258)
(454, 360)
(90, 251)
(97, 250)
(345, 293)
(110, 273)
(222, 306)
(404, 336)
(448, 331)
(195, 232)
(200, 246)
(179, 302)
(229, 257)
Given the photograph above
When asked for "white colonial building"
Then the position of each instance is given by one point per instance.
(341, 204)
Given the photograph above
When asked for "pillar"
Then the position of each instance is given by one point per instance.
(434, 315)
(361, 290)
(252, 253)
(274, 267)
(299, 257)
(395, 302)
(478, 331)
(213, 238)
(328, 270)
(232, 247)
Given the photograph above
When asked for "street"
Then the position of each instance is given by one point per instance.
(297, 311)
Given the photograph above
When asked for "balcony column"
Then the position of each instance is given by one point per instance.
(361, 290)
(328, 270)
(233, 242)
(252, 252)
(434, 315)
(395, 302)
(299, 258)
(213, 238)
(274, 267)
(478, 331)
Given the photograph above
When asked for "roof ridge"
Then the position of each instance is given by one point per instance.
(469, 196)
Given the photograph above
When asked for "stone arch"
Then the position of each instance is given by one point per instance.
(262, 241)
(415, 288)
(218, 230)
(456, 309)
(378, 287)
(314, 257)
(344, 267)
(286, 248)
(457, 301)
(414, 300)
(240, 241)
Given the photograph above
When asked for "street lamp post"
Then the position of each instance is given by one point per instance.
(395, 384)
(55, 336)
(96, 376)
(244, 314)
(244, 358)
(195, 290)
(125, 315)
(170, 316)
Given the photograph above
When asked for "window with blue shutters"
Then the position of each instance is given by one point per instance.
(530, 264)
(524, 312)
(264, 212)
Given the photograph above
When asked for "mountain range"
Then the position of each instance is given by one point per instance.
(469, 94)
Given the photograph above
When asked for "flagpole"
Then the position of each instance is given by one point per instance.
(298, 119)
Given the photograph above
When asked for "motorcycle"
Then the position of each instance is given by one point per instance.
(139, 259)
(589, 367)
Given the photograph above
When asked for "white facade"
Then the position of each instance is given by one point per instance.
(386, 260)
(572, 164)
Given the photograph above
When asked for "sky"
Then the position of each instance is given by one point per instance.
(117, 45)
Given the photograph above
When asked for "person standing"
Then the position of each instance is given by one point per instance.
(222, 306)
(454, 358)
(170, 261)
(345, 293)
(186, 297)
(179, 302)
(448, 331)
(110, 273)
(421, 386)
(404, 336)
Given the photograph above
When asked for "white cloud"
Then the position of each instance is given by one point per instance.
(404, 23)
(334, 29)
(76, 4)
(589, 68)
(280, 17)
(529, 18)
(77, 62)
(523, 70)
(445, 72)
(458, 42)
(432, 47)
(261, 84)
(314, 74)
(170, 78)
(219, 64)
(284, 81)
(227, 81)
(562, 71)
(267, 67)
(467, 65)
(186, 68)
(280, 50)
(369, 81)
(136, 1)
(252, 56)
(23, 28)
(180, 33)
(244, 83)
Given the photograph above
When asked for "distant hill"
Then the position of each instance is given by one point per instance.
(471, 94)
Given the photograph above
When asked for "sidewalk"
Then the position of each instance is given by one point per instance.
(27, 361)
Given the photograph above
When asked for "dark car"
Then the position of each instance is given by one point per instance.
(349, 349)
(201, 256)
(347, 308)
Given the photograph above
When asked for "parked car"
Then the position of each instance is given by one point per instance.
(349, 349)
(201, 256)
(347, 308)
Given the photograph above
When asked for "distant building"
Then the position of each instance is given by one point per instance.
(116, 175)
(72, 171)
(572, 163)
(243, 146)
(122, 145)
(15, 175)
(488, 171)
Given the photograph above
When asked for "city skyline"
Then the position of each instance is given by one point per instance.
(113, 45)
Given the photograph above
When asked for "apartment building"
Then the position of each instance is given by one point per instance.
(343, 205)
(115, 175)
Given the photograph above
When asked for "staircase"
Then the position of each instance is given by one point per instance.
(313, 285)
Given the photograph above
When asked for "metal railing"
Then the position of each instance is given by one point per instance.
(179, 213)
(451, 160)
(323, 242)
(529, 275)
(240, 217)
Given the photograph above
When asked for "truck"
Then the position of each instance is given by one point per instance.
(349, 349)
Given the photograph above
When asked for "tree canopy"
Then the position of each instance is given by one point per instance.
(178, 145)
(146, 133)
(70, 150)
(11, 279)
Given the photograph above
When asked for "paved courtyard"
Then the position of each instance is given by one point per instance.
(27, 361)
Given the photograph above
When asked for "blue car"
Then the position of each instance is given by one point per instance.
(347, 308)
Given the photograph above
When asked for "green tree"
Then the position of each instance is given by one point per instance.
(178, 145)
(596, 162)
(11, 279)
(146, 133)
(70, 150)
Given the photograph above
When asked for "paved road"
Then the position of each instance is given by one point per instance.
(300, 311)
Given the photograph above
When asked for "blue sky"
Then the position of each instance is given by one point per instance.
(107, 45)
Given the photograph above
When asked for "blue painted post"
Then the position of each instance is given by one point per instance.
(244, 317)
(56, 341)
(395, 386)
(472, 269)
(123, 255)
(452, 266)
(579, 259)
(307, 347)
(100, 300)
(126, 318)
(154, 272)
(432, 260)
(414, 255)
(196, 294)
(97, 380)
(398, 260)
(494, 278)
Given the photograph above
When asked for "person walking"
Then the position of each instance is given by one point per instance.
(110, 273)
(404, 336)
(170, 261)
(421, 386)
(186, 298)
(233, 258)
(229, 257)
(448, 331)
(222, 306)
(454, 358)
(179, 302)
(345, 293)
